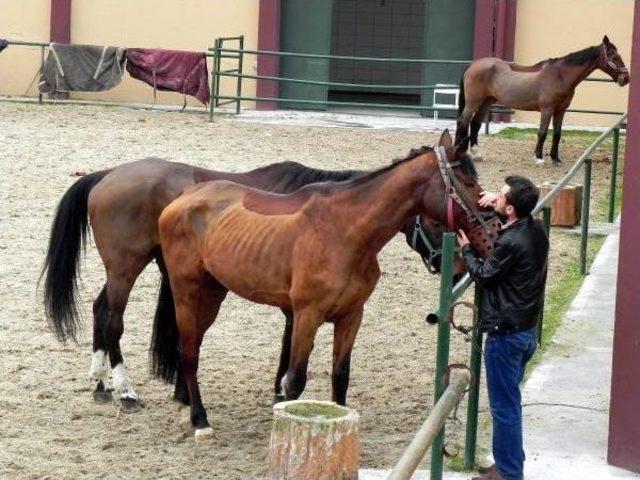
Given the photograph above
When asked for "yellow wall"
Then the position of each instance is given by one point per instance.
(22, 20)
(553, 28)
(172, 24)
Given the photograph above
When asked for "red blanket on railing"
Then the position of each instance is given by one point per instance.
(172, 70)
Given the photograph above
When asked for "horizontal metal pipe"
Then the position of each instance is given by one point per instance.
(28, 43)
(337, 84)
(347, 104)
(343, 57)
(412, 456)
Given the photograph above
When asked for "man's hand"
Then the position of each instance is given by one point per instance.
(488, 199)
(462, 239)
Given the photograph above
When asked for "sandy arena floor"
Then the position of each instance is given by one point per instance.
(49, 425)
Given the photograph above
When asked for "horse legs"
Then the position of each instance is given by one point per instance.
(197, 302)
(111, 324)
(545, 118)
(99, 371)
(344, 334)
(305, 326)
(476, 123)
(557, 133)
(462, 127)
(285, 354)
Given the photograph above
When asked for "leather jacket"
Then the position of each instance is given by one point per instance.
(512, 277)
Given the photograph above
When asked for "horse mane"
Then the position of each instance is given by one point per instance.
(466, 164)
(580, 57)
(291, 176)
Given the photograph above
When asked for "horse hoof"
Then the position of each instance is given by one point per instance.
(129, 405)
(538, 161)
(102, 397)
(557, 162)
(203, 434)
(278, 397)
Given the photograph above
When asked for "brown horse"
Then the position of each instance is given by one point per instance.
(124, 204)
(546, 87)
(313, 253)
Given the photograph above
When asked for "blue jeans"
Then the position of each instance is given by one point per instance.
(506, 356)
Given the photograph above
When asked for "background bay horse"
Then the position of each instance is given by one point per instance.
(312, 253)
(546, 87)
(124, 204)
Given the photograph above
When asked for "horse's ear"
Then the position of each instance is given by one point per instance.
(445, 139)
(605, 40)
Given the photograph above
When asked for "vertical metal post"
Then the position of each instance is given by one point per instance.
(614, 174)
(486, 124)
(218, 62)
(584, 221)
(239, 88)
(442, 358)
(41, 70)
(214, 78)
(546, 219)
(475, 364)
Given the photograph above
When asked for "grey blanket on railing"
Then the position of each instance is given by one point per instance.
(82, 68)
(3, 44)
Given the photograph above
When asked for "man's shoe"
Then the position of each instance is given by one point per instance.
(490, 473)
(489, 469)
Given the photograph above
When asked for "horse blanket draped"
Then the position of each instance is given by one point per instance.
(171, 70)
(82, 68)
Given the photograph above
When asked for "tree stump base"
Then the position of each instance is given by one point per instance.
(313, 440)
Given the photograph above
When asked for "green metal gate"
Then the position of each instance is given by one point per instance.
(449, 28)
(305, 28)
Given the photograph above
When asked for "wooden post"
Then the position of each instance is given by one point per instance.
(313, 440)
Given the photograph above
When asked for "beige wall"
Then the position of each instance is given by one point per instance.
(171, 24)
(22, 20)
(553, 28)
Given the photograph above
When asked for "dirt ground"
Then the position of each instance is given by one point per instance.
(49, 425)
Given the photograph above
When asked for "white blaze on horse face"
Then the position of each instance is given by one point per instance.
(122, 384)
(99, 369)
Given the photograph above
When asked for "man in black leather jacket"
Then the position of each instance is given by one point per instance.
(512, 278)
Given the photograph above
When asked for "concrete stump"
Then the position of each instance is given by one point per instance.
(313, 440)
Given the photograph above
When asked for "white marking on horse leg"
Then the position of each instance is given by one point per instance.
(121, 383)
(203, 434)
(475, 152)
(283, 390)
(99, 370)
(538, 161)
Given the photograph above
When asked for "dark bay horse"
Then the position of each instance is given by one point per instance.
(546, 87)
(312, 253)
(124, 204)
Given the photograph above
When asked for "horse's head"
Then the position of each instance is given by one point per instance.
(451, 199)
(610, 62)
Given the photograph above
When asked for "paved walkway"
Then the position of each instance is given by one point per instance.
(566, 398)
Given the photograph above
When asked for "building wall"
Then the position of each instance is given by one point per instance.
(553, 28)
(180, 25)
(22, 20)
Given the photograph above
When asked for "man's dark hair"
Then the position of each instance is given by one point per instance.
(523, 194)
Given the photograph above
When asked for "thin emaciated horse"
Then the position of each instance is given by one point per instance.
(546, 87)
(312, 253)
(123, 205)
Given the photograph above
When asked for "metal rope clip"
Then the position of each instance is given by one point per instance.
(466, 331)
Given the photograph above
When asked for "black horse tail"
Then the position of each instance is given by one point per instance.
(62, 263)
(462, 131)
(164, 352)
(461, 100)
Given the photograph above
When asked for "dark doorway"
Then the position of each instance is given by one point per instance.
(382, 29)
